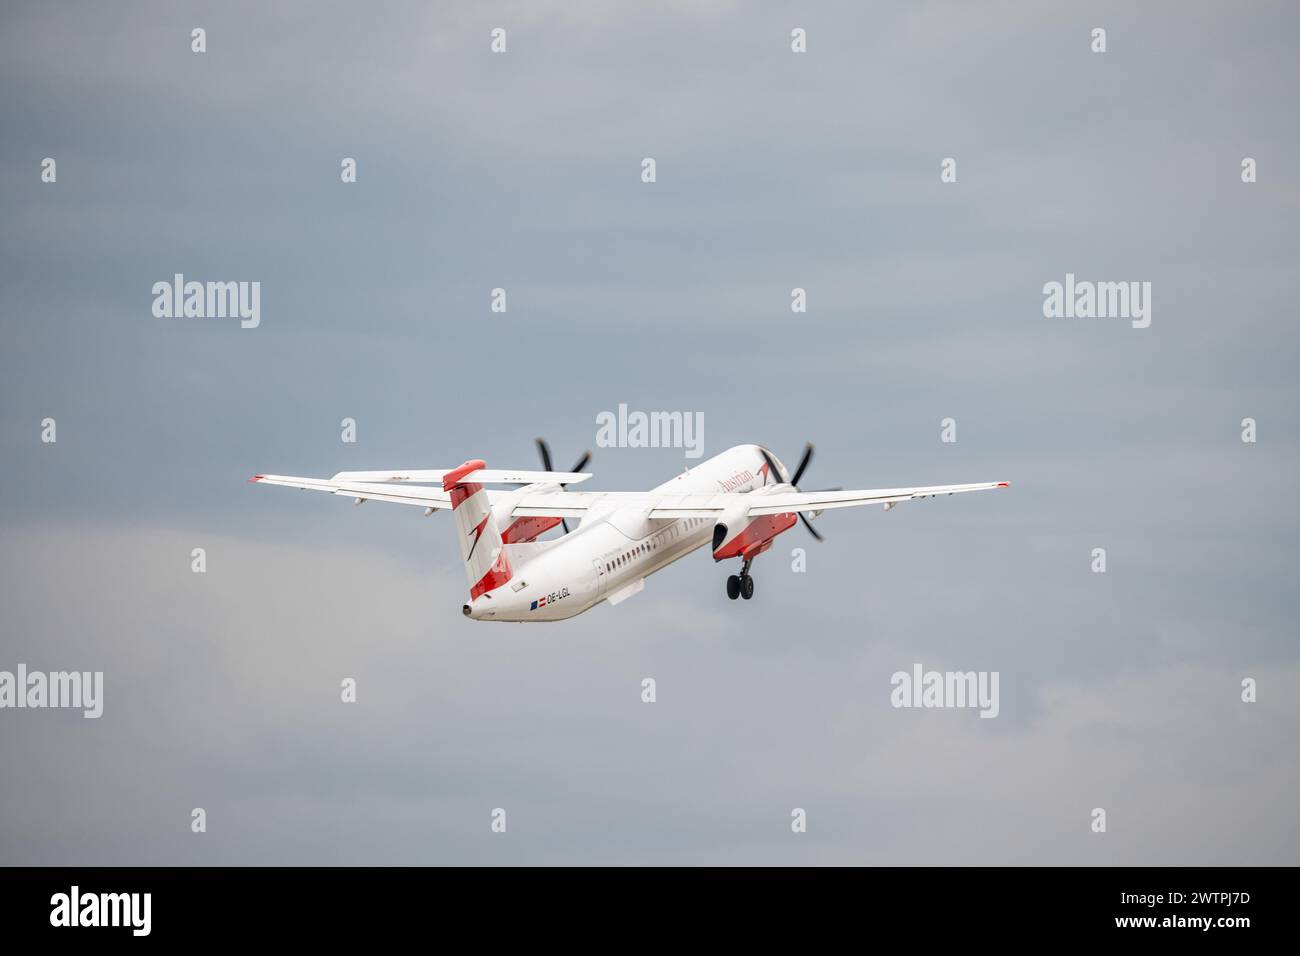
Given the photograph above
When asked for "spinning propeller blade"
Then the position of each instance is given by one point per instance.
(545, 452)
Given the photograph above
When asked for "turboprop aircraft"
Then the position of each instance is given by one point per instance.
(736, 502)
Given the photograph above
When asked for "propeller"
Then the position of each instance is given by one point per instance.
(545, 451)
(794, 480)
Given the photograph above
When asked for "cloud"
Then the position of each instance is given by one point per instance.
(223, 691)
(775, 170)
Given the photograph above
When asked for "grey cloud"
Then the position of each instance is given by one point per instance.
(775, 171)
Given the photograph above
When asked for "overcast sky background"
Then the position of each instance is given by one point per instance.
(775, 170)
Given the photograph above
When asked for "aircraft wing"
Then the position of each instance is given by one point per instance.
(551, 503)
(364, 491)
(499, 476)
(574, 504)
(415, 486)
(826, 500)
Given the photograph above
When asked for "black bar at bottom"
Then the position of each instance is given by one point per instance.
(672, 906)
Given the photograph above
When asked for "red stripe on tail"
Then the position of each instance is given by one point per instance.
(454, 476)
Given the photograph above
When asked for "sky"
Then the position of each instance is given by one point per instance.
(775, 170)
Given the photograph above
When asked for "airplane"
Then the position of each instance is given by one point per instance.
(736, 502)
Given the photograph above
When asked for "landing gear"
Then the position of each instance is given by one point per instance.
(741, 585)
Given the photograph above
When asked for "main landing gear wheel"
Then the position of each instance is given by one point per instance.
(741, 585)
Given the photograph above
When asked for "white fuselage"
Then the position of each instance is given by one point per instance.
(608, 556)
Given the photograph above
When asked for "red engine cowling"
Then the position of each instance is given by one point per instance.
(738, 536)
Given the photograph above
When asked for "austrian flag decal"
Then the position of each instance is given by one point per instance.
(551, 598)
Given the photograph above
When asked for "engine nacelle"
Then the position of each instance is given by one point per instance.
(736, 535)
(520, 530)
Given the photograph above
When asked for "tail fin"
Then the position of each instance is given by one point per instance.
(481, 546)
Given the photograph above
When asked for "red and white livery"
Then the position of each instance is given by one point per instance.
(736, 503)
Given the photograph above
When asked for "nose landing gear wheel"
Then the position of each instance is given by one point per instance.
(733, 587)
(747, 587)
